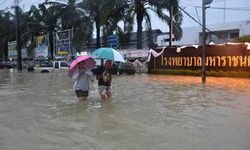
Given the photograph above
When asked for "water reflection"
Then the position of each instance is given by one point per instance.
(41, 111)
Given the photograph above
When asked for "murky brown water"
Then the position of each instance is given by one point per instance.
(146, 112)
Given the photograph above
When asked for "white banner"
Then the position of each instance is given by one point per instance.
(136, 53)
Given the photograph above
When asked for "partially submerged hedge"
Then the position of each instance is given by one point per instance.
(219, 73)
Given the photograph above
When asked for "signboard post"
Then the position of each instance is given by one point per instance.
(113, 41)
(12, 51)
(42, 49)
(63, 42)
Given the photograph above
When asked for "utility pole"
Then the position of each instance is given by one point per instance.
(204, 4)
(18, 43)
(203, 42)
(224, 15)
(171, 24)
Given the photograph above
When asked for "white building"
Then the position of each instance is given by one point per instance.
(163, 39)
(220, 33)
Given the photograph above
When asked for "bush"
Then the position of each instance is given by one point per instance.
(245, 38)
(214, 73)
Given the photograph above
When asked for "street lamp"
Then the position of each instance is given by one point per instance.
(205, 4)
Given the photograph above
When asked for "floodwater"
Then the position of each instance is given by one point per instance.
(146, 112)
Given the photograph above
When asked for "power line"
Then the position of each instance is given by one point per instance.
(3, 4)
(24, 6)
(197, 14)
(237, 9)
(8, 7)
(223, 8)
(190, 16)
(197, 21)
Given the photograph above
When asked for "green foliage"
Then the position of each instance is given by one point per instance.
(245, 38)
(51, 16)
(139, 11)
(214, 73)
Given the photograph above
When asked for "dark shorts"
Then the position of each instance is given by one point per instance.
(80, 93)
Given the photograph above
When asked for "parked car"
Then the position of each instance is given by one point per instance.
(126, 68)
(43, 67)
(50, 66)
(120, 68)
(6, 65)
(61, 66)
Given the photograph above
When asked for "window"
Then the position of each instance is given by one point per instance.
(56, 65)
(166, 40)
(234, 35)
(46, 64)
(64, 64)
(162, 42)
(223, 35)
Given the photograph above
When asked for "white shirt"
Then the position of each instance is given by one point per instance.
(82, 80)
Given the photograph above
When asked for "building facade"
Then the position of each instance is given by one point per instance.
(218, 33)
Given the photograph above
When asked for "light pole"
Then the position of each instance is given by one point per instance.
(205, 4)
(18, 43)
(171, 24)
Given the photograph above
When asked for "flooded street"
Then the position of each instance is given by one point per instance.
(146, 112)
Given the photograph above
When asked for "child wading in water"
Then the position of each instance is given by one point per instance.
(82, 77)
(104, 80)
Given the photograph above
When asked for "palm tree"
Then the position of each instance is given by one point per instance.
(7, 31)
(139, 11)
(72, 16)
(49, 17)
(82, 34)
(9, 26)
(99, 13)
(31, 26)
(40, 21)
(114, 16)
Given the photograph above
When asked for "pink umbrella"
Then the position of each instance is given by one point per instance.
(89, 63)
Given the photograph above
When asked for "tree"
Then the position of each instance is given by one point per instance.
(10, 29)
(99, 13)
(30, 27)
(49, 17)
(114, 16)
(244, 38)
(139, 10)
(31, 24)
(7, 31)
(72, 16)
(69, 13)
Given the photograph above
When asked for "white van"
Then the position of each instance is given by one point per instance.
(60, 66)
(49, 66)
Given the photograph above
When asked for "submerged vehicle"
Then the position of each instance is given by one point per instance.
(51, 66)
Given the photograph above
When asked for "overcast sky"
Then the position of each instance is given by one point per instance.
(213, 16)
